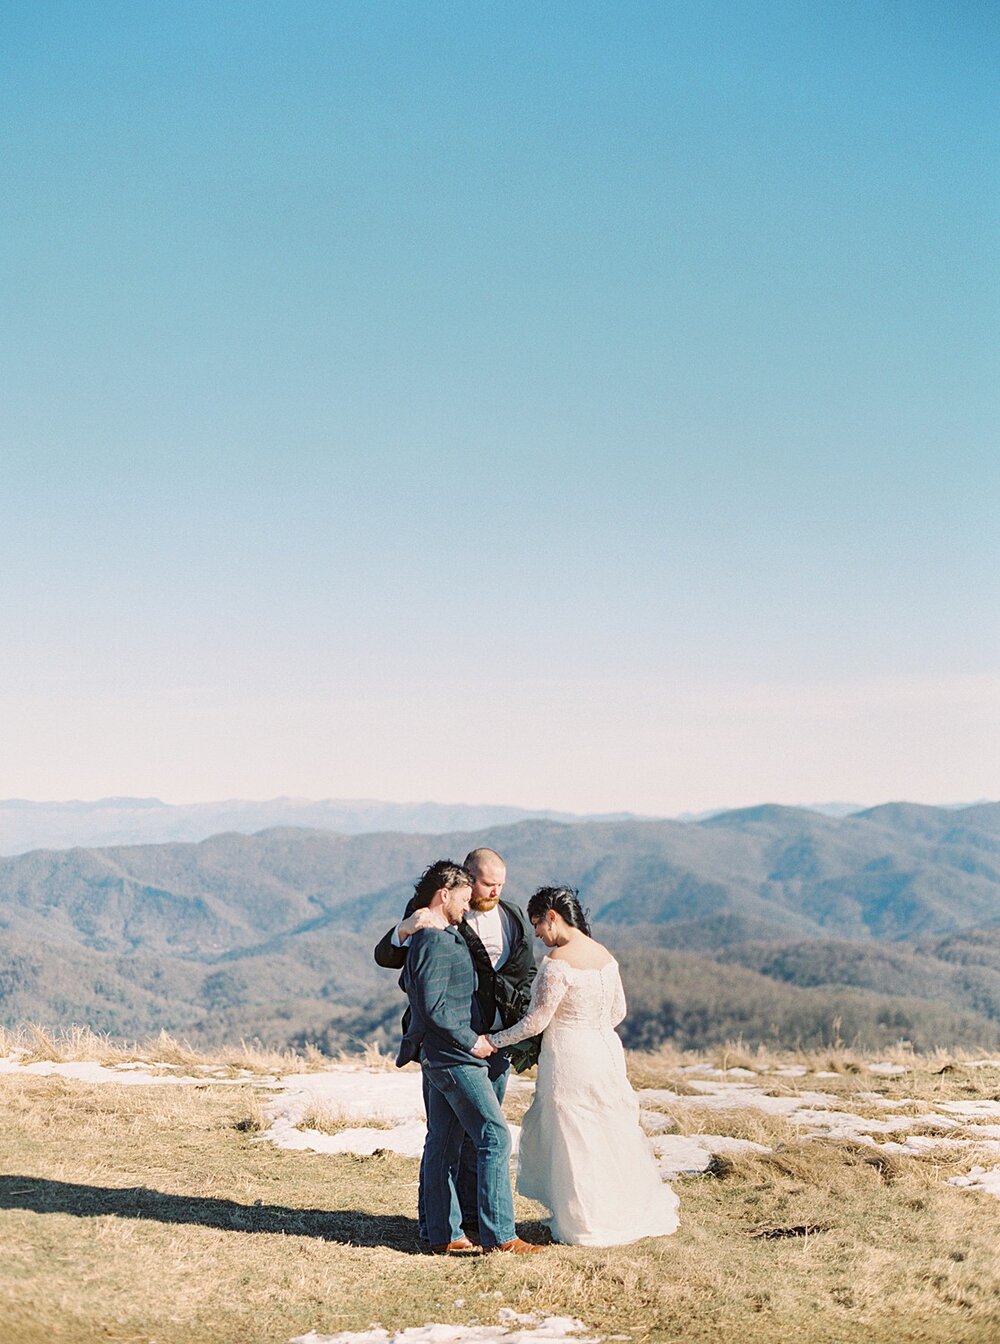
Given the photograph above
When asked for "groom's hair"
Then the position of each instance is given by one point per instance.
(445, 874)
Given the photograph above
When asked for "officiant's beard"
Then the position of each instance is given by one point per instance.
(484, 903)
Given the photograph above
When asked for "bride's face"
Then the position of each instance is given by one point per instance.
(545, 927)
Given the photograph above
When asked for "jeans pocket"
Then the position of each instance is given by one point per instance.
(444, 1080)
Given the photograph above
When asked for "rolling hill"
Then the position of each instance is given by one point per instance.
(891, 914)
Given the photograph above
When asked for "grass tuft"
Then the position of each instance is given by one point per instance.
(35, 1043)
(329, 1119)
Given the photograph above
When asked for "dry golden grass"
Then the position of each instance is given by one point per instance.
(516, 1104)
(134, 1213)
(657, 1068)
(34, 1042)
(734, 1055)
(936, 1076)
(372, 1056)
(329, 1119)
(737, 1123)
(936, 1083)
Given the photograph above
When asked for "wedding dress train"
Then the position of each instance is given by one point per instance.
(582, 1153)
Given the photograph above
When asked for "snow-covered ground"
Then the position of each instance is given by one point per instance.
(373, 1109)
(88, 1071)
(513, 1328)
(376, 1109)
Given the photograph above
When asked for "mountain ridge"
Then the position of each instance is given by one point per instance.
(872, 919)
(26, 825)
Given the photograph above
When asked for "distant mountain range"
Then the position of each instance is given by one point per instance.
(27, 825)
(760, 922)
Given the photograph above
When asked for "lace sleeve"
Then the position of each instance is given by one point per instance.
(546, 994)
(618, 1006)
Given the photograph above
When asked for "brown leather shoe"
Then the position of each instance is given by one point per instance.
(517, 1247)
(463, 1246)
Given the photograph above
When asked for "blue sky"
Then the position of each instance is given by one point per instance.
(575, 405)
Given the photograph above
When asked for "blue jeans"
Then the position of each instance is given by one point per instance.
(498, 1067)
(461, 1100)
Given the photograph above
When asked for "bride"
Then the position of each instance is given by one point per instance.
(582, 1152)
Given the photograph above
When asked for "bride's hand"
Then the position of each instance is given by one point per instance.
(421, 919)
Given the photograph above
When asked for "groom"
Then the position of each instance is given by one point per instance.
(446, 1029)
(500, 940)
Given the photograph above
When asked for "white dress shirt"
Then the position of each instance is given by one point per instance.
(494, 932)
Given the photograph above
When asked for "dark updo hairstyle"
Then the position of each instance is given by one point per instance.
(565, 901)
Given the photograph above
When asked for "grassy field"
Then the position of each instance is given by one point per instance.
(143, 1213)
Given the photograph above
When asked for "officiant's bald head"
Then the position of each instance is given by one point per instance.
(489, 873)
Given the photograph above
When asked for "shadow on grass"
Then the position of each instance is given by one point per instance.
(347, 1226)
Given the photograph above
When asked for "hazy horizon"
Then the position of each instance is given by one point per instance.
(463, 802)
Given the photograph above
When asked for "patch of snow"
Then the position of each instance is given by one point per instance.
(514, 1328)
(519, 1086)
(734, 1096)
(689, 1154)
(654, 1122)
(359, 1094)
(137, 1064)
(353, 1099)
(972, 1110)
(710, 1071)
(979, 1178)
(793, 1071)
(886, 1068)
(846, 1125)
(876, 1099)
(406, 1138)
(352, 1096)
(924, 1143)
(659, 1096)
(916, 1144)
(88, 1072)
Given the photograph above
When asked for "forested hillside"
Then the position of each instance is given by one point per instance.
(766, 922)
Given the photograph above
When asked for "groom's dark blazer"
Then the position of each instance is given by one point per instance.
(506, 989)
(445, 1017)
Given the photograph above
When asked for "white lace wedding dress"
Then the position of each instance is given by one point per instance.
(582, 1152)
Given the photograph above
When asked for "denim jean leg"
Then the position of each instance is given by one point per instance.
(498, 1067)
(469, 1092)
(421, 1213)
(439, 1164)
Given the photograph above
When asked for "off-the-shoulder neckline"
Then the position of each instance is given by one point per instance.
(561, 961)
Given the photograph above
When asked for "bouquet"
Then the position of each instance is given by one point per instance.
(524, 1055)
